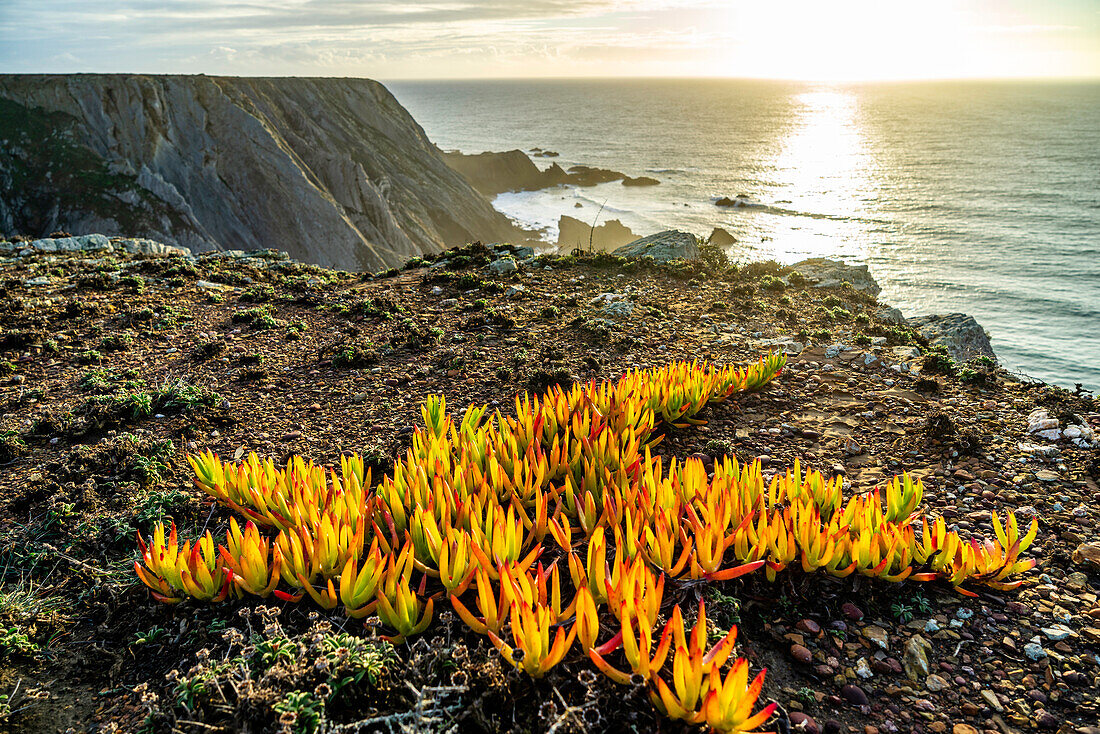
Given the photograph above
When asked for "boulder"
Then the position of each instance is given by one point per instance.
(672, 244)
(142, 246)
(721, 238)
(640, 181)
(575, 234)
(964, 338)
(890, 315)
(85, 243)
(825, 273)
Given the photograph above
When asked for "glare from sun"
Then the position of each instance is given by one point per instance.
(846, 40)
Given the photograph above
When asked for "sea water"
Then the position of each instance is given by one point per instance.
(980, 197)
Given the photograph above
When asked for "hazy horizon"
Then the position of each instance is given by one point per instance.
(788, 40)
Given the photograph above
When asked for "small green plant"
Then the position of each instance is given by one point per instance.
(353, 356)
(257, 294)
(862, 340)
(14, 641)
(771, 283)
(805, 696)
(133, 283)
(902, 611)
(796, 278)
(149, 636)
(89, 356)
(832, 302)
(549, 312)
(304, 709)
(937, 361)
(120, 342)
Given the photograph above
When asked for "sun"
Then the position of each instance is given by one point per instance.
(845, 41)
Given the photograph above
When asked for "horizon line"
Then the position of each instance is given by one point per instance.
(590, 77)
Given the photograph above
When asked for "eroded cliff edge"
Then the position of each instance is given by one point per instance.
(333, 171)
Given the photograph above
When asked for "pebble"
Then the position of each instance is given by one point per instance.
(804, 723)
(809, 626)
(915, 660)
(963, 729)
(1057, 632)
(877, 635)
(992, 701)
(1034, 651)
(851, 611)
(935, 683)
(854, 694)
(802, 654)
(863, 669)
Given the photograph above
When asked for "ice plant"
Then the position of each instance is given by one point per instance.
(173, 572)
(531, 634)
(399, 607)
(473, 500)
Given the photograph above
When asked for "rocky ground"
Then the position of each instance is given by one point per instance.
(117, 362)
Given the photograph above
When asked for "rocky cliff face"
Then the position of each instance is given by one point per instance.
(333, 171)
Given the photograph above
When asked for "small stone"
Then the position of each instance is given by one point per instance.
(1076, 581)
(863, 669)
(808, 626)
(503, 266)
(832, 726)
(1057, 632)
(963, 729)
(854, 694)
(1047, 720)
(1046, 475)
(1088, 555)
(991, 699)
(802, 654)
(854, 613)
(1034, 651)
(915, 660)
(935, 683)
(804, 723)
(876, 635)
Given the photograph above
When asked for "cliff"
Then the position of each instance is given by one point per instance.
(333, 171)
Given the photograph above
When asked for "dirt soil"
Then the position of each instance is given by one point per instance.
(113, 369)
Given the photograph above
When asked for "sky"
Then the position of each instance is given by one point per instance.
(832, 40)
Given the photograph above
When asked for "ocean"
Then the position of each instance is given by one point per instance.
(979, 197)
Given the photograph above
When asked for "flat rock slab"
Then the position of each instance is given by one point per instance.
(964, 337)
(672, 244)
(825, 273)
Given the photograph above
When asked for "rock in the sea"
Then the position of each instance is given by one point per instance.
(672, 244)
(721, 238)
(640, 181)
(575, 234)
(963, 337)
(825, 273)
(495, 173)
